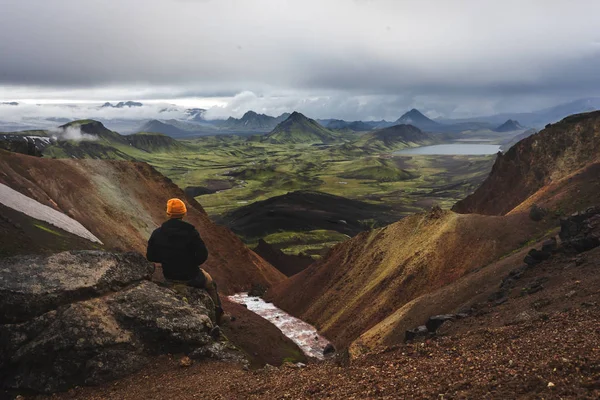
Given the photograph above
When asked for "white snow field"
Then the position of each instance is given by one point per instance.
(19, 202)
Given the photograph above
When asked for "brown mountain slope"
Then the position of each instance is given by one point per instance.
(122, 202)
(548, 156)
(367, 278)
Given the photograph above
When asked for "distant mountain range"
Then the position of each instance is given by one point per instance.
(539, 118)
(181, 122)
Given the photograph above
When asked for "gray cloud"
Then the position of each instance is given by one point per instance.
(337, 57)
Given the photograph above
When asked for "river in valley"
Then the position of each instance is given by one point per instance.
(301, 333)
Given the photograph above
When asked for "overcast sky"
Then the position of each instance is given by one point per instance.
(353, 59)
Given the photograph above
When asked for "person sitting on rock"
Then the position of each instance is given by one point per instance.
(177, 246)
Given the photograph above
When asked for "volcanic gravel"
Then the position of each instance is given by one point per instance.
(551, 358)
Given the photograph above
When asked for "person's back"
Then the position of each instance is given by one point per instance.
(177, 246)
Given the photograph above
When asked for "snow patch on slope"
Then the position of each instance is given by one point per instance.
(19, 202)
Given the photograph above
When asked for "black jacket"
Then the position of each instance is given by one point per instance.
(178, 247)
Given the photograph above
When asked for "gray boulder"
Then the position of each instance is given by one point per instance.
(581, 231)
(33, 285)
(77, 329)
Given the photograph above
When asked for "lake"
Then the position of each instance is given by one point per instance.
(461, 149)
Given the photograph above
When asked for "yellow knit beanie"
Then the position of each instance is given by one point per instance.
(176, 208)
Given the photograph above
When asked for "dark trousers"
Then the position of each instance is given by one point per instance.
(206, 282)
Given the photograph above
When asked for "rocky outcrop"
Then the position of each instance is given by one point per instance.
(581, 231)
(86, 317)
(539, 160)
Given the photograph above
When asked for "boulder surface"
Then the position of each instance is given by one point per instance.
(87, 317)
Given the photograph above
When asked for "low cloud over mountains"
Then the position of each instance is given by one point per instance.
(342, 57)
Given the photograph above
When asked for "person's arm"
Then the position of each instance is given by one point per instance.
(200, 250)
(152, 253)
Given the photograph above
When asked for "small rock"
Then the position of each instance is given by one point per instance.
(527, 316)
(269, 368)
(300, 365)
(437, 320)
(186, 362)
(414, 333)
(501, 294)
(571, 294)
(501, 301)
(257, 290)
(539, 255)
(530, 260)
(549, 245)
(215, 333)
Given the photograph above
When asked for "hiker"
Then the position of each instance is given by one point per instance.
(177, 246)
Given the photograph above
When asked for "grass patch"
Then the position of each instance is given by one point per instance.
(47, 229)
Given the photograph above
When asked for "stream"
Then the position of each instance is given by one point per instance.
(301, 333)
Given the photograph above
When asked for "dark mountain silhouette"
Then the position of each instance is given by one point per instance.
(304, 210)
(287, 264)
(153, 142)
(415, 118)
(299, 129)
(252, 121)
(123, 104)
(96, 128)
(157, 126)
(196, 114)
(510, 126)
(356, 126)
(394, 137)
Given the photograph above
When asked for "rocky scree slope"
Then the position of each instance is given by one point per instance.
(122, 202)
(87, 317)
(364, 280)
(552, 154)
(509, 283)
